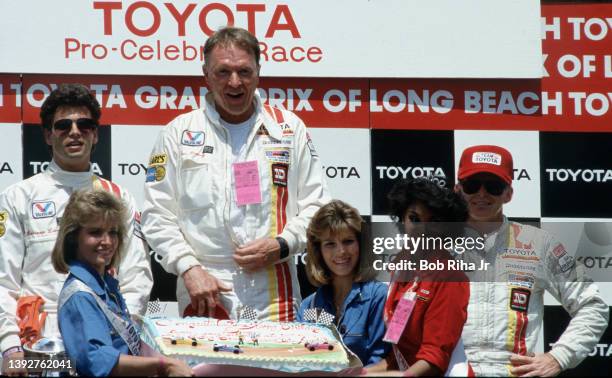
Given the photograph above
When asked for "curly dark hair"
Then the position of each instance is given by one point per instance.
(445, 205)
(68, 95)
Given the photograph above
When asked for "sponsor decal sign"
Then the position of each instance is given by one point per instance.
(576, 174)
(156, 100)
(156, 37)
(407, 154)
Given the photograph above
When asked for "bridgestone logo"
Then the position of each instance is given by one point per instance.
(574, 175)
(486, 158)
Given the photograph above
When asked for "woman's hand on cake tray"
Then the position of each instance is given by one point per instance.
(257, 254)
(203, 289)
(176, 368)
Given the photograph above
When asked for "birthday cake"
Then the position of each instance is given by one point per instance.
(291, 347)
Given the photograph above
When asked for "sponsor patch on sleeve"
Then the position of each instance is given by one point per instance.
(311, 147)
(565, 261)
(192, 138)
(158, 159)
(137, 227)
(519, 299)
(156, 173)
(279, 174)
(208, 149)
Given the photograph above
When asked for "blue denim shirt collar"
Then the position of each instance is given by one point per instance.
(85, 273)
(356, 294)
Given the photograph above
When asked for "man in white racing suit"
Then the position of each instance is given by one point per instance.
(507, 298)
(30, 212)
(230, 190)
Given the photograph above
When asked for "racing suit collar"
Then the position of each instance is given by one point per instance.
(274, 129)
(72, 179)
(491, 239)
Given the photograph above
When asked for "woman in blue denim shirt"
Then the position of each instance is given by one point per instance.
(344, 276)
(96, 328)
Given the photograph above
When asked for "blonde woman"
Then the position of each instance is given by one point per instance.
(347, 290)
(94, 321)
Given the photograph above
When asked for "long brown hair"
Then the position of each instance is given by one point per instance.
(83, 207)
(333, 218)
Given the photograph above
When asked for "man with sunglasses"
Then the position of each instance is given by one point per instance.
(30, 213)
(507, 300)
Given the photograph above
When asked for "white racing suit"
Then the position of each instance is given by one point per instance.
(507, 300)
(30, 213)
(186, 217)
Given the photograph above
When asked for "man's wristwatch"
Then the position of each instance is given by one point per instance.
(284, 247)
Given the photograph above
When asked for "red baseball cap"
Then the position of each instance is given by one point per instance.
(485, 158)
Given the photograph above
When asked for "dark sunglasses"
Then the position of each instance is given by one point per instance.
(493, 187)
(84, 125)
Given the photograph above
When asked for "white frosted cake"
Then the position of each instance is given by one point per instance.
(291, 347)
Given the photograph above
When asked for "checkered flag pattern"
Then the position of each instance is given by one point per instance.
(155, 308)
(310, 315)
(247, 313)
(325, 318)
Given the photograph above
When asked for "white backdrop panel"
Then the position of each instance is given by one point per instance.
(345, 154)
(315, 38)
(131, 147)
(11, 166)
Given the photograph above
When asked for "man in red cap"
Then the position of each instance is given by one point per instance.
(506, 299)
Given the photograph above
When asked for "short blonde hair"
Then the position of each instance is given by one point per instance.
(333, 218)
(83, 207)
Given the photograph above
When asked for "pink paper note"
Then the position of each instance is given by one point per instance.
(246, 179)
(400, 317)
